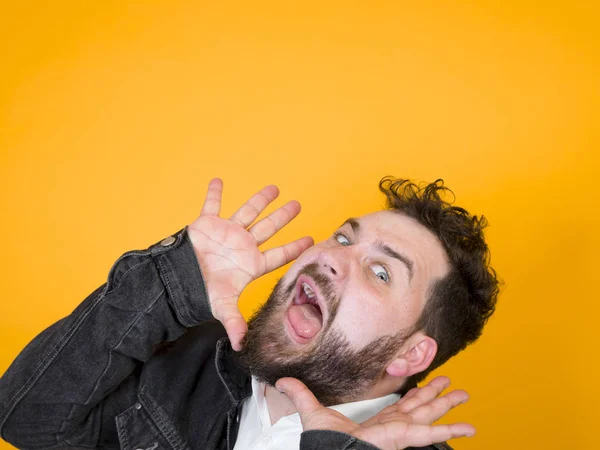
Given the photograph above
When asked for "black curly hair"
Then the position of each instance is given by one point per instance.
(458, 305)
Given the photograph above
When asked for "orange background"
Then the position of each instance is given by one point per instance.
(114, 115)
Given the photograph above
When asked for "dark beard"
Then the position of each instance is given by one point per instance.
(333, 371)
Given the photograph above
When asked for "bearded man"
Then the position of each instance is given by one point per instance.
(161, 357)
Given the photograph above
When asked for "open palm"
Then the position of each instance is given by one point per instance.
(406, 423)
(228, 253)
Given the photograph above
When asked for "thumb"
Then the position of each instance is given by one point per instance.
(302, 398)
(233, 321)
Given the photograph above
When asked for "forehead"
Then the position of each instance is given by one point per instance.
(403, 233)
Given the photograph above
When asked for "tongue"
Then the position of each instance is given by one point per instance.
(306, 319)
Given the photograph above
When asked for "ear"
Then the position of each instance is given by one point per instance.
(416, 356)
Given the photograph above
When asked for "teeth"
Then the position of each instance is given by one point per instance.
(308, 291)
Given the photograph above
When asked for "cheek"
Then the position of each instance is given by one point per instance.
(306, 257)
(362, 318)
(365, 314)
(309, 256)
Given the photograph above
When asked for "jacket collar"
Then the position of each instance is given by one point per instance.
(234, 376)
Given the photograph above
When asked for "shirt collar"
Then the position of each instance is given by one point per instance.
(356, 411)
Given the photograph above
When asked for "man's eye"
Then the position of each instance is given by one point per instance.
(380, 272)
(342, 239)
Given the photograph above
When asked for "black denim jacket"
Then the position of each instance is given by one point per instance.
(141, 364)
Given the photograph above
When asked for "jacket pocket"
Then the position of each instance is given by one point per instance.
(137, 431)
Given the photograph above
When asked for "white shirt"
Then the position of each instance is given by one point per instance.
(257, 433)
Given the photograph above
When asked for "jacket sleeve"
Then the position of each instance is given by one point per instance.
(53, 392)
(334, 440)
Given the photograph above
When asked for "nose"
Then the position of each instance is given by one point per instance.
(334, 262)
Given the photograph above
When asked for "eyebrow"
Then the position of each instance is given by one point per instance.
(384, 248)
(353, 223)
(387, 250)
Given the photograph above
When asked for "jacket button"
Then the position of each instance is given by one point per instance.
(167, 241)
(137, 406)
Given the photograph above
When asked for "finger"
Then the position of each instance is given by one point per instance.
(302, 398)
(253, 207)
(423, 435)
(280, 256)
(434, 410)
(212, 202)
(391, 410)
(274, 222)
(425, 394)
(411, 393)
(233, 321)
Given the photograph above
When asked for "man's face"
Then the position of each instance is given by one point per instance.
(341, 313)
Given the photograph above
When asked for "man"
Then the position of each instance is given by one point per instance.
(355, 322)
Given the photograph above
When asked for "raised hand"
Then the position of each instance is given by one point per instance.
(406, 423)
(228, 252)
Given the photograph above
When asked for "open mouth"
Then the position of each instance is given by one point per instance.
(306, 314)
